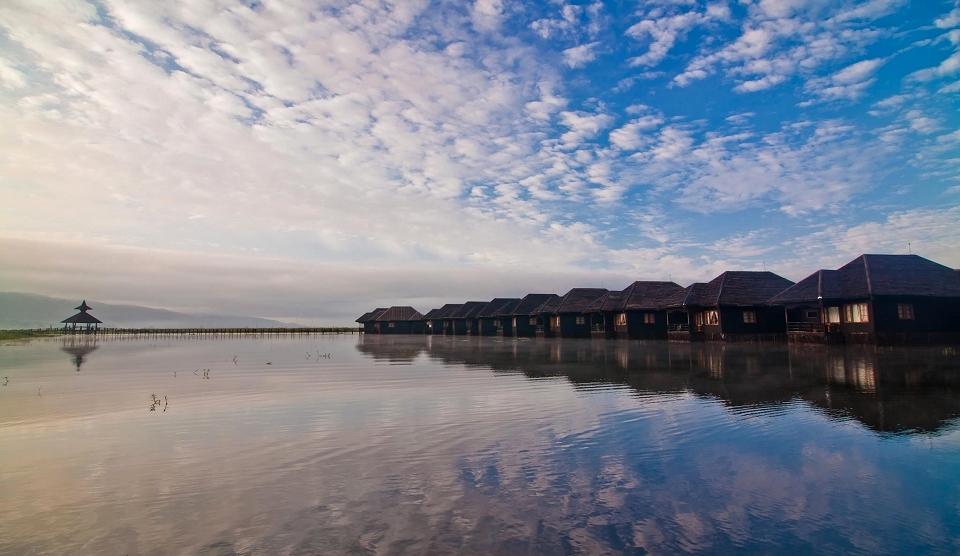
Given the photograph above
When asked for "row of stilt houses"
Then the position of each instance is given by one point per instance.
(873, 299)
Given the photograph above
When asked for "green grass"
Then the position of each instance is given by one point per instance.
(22, 334)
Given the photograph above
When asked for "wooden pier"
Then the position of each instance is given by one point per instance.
(183, 332)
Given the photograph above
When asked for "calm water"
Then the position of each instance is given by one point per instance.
(340, 445)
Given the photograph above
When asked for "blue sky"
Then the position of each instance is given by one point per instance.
(294, 158)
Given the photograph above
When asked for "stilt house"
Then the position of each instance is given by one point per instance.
(400, 320)
(884, 299)
(525, 318)
(488, 320)
(638, 313)
(733, 307)
(464, 320)
(368, 321)
(569, 318)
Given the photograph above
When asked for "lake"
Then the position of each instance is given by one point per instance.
(437, 445)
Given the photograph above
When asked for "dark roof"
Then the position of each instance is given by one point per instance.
(609, 301)
(433, 314)
(690, 295)
(468, 310)
(531, 303)
(578, 299)
(822, 283)
(643, 295)
(875, 275)
(399, 314)
(507, 309)
(741, 287)
(492, 309)
(446, 311)
(82, 317)
(371, 316)
(83, 308)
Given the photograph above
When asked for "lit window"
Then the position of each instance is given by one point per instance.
(905, 311)
(391, 324)
(711, 317)
(555, 321)
(649, 318)
(750, 317)
(579, 321)
(856, 312)
(833, 314)
(533, 321)
(621, 319)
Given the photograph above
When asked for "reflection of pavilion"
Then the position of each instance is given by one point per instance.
(909, 390)
(81, 318)
(79, 349)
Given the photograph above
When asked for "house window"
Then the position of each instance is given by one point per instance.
(391, 324)
(555, 321)
(621, 319)
(533, 321)
(580, 320)
(649, 318)
(833, 315)
(750, 317)
(856, 312)
(711, 317)
(813, 314)
(905, 311)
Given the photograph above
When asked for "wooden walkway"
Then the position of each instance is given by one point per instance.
(149, 332)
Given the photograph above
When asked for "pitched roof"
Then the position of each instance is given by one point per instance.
(399, 314)
(82, 317)
(493, 307)
(691, 295)
(83, 307)
(549, 306)
(433, 314)
(371, 316)
(447, 310)
(742, 287)
(468, 310)
(578, 299)
(875, 275)
(507, 309)
(531, 302)
(642, 295)
(609, 301)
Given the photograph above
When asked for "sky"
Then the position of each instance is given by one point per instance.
(315, 159)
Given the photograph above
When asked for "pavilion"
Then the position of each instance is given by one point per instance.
(81, 318)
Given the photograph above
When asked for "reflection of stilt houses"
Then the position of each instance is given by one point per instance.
(82, 318)
(79, 350)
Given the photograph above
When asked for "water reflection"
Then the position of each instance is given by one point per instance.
(79, 347)
(905, 390)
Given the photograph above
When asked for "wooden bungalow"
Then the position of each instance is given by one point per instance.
(570, 317)
(438, 320)
(503, 319)
(733, 307)
(525, 319)
(488, 319)
(638, 314)
(400, 320)
(875, 299)
(368, 321)
(601, 315)
(678, 318)
(464, 321)
(544, 314)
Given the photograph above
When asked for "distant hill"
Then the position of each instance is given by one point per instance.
(21, 310)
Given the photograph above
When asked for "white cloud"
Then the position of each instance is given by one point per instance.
(580, 56)
(487, 14)
(849, 83)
